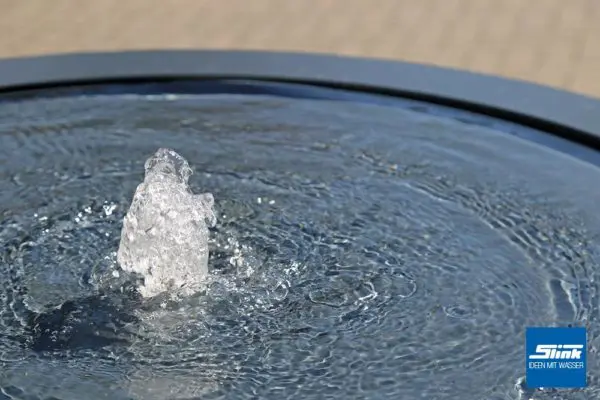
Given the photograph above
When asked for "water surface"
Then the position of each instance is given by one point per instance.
(360, 252)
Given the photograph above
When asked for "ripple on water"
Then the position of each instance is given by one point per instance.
(359, 251)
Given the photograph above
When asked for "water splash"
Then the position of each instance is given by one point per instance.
(165, 232)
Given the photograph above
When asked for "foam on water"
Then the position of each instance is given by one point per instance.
(165, 232)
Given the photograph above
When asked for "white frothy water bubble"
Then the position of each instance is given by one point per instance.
(165, 232)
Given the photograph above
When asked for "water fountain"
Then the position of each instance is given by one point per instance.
(165, 232)
(367, 245)
(164, 240)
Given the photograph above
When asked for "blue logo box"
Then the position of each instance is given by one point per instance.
(556, 357)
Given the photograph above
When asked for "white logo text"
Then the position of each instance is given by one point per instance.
(557, 352)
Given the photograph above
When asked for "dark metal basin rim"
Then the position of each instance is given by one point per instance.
(571, 116)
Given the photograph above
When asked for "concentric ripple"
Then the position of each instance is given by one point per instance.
(360, 252)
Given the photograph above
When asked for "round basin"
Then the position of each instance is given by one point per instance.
(384, 230)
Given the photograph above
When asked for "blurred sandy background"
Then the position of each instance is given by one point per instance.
(554, 42)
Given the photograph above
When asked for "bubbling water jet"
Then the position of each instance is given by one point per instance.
(165, 232)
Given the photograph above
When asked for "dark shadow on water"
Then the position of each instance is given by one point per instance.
(89, 323)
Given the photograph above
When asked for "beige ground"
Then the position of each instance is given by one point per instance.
(555, 42)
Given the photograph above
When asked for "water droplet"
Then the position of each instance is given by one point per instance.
(109, 209)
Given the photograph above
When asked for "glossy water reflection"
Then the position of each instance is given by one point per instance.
(361, 252)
